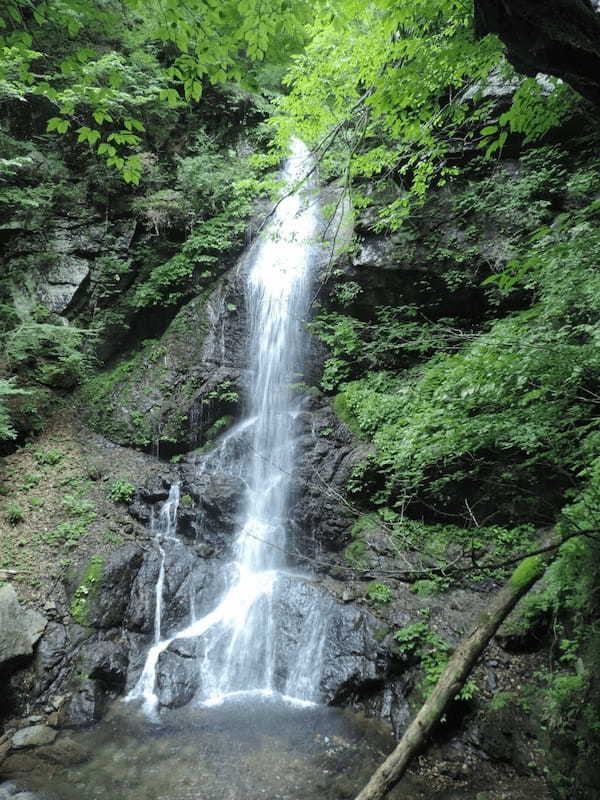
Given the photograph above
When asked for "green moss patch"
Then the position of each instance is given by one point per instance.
(529, 570)
(84, 594)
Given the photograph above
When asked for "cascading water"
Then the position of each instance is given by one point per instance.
(164, 531)
(238, 635)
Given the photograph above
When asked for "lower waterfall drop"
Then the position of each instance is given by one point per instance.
(240, 652)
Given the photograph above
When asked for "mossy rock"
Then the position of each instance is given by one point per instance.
(344, 413)
(83, 597)
(153, 398)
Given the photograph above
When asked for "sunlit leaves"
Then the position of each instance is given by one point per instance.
(102, 93)
(170, 95)
(101, 116)
(398, 87)
(58, 124)
(86, 134)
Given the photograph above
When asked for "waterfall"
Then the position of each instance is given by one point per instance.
(164, 530)
(240, 650)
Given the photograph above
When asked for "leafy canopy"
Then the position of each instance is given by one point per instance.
(100, 67)
(400, 90)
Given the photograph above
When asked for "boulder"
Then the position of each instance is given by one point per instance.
(64, 751)
(20, 628)
(34, 736)
(177, 674)
(504, 736)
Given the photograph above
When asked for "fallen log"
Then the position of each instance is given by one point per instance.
(456, 673)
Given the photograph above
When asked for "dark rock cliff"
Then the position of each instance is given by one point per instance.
(557, 37)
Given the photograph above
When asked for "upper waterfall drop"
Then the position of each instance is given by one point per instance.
(277, 299)
(239, 642)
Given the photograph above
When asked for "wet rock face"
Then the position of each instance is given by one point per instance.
(50, 656)
(353, 659)
(71, 247)
(320, 520)
(178, 673)
(9, 791)
(106, 660)
(354, 667)
(111, 600)
(184, 388)
(93, 665)
(212, 511)
(87, 703)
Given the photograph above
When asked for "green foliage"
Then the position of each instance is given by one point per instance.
(499, 701)
(84, 594)
(31, 480)
(81, 513)
(365, 523)
(530, 613)
(432, 652)
(198, 260)
(77, 506)
(357, 552)
(67, 534)
(503, 407)
(393, 339)
(52, 355)
(219, 426)
(566, 695)
(7, 389)
(14, 513)
(411, 90)
(98, 393)
(410, 637)
(121, 491)
(47, 458)
(537, 107)
(380, 594)
(162, 209)
(428, 587)
(112, 538)
(343, 411)
(224, 392)
(106, 71)
(300, 387)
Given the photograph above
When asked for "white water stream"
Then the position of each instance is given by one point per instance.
(238, 635)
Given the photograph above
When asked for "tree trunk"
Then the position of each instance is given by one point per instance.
(454, 676)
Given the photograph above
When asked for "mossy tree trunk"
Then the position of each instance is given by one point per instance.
(454, 676)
